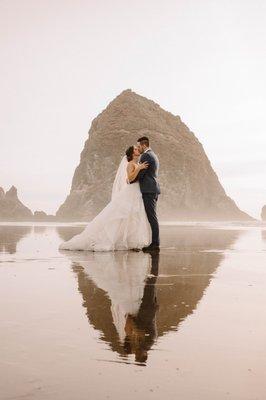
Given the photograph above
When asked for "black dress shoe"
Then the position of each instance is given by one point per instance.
(151, 247)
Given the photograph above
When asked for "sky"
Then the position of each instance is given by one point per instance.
(63, 61)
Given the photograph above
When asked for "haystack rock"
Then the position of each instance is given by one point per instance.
(190, 187)
(11, 208)
(263, 213)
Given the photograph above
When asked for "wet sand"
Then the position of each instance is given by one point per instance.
(189, 323)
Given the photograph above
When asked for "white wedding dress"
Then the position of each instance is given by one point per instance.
(121, 225)
(122, 276)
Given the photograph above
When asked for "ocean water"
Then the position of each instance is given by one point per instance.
(187, 323)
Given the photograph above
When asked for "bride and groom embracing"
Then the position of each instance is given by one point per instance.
(129, 220)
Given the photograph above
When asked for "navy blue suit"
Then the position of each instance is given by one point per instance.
(150, 190)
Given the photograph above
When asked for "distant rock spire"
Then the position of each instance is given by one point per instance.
(11, 208)
(12, 193)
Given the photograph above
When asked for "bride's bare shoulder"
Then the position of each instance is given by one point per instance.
(131, 164)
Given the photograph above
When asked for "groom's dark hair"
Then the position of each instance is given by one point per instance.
(144, 140)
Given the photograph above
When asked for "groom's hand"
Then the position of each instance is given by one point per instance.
(143, 165)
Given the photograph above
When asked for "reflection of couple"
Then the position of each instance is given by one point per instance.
(128, 279)
(141, 328)
(129, 219)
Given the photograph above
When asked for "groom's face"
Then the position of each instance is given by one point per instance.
(140, 148)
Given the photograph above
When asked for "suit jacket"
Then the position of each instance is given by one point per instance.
(148, 178)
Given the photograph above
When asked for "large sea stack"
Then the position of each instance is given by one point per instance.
(190, 187)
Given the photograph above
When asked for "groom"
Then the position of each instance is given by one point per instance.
(150, 189)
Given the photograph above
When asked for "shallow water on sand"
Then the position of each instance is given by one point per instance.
(188, 323)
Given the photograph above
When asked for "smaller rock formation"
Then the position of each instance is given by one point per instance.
(39, 215)
(42, 216)
(11, 208)
(263, 213)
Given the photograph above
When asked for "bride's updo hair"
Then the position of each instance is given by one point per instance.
(129, 153)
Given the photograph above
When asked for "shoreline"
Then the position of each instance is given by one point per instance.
(201, 224)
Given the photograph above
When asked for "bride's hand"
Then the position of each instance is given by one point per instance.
(143, 165)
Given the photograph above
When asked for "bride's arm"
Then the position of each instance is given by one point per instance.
(133, 170)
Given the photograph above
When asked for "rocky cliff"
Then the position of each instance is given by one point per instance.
(190, 187)
(11, 208)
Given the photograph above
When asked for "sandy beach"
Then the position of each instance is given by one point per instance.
(188, 323)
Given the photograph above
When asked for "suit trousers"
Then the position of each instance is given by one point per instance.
(150, 202)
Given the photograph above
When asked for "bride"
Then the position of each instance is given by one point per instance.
(123, 223)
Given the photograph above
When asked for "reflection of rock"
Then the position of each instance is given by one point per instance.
(39, 229)
(183, 278)
(190, 187)
(263, 235)
(10, 236)
(196, 238)
(141, 328)
(120, 275)
(67, 232)
(11, 208)
(263, 213)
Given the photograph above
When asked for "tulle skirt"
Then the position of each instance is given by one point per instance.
(121, 225)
